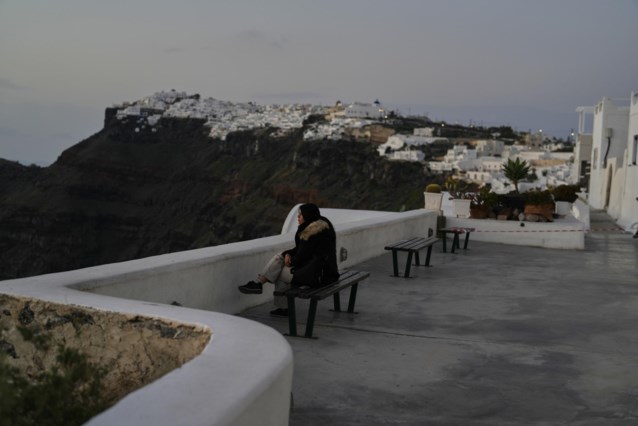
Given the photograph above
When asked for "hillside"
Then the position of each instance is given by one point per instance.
(124, 194)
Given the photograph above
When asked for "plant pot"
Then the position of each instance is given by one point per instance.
(433, 201)
(563, 208)
(479, 212)
(545, 210)
(461, 207)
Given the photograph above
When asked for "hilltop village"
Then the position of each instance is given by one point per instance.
(478, 160)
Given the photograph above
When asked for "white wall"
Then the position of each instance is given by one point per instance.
(566, 233)
(629, 210)
(208, 278)
(215, 388)
(607, 115)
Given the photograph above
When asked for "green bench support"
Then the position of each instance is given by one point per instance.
(347, 279)
(457, 231)
(412, 247)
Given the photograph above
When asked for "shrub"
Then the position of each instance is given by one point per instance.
(434, 188)
(485, 197)
(68, 394)
(457, 188)
(538, 197)
(565, 193)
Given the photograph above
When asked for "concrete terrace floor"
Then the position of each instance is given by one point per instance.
(496, 335)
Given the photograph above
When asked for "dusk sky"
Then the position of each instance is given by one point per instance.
(527, 64)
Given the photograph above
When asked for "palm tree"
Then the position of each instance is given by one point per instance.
(516, 171)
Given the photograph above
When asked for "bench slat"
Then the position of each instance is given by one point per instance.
(346, 279)
(323, 292)
(413, 244)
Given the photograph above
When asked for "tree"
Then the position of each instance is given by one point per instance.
(516, 171)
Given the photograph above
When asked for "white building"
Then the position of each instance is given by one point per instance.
(402, 143)
(486, 148)
(426, 132)
(440, 167)
(363, 110)
(582, 149)
(613, 183)
(492, 164)
(458, 153)
(406, 155)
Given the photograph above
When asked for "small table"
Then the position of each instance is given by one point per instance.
(455, 242)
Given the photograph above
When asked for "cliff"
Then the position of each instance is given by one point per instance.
(132, 191)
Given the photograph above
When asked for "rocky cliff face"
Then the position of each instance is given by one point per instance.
(129, 192)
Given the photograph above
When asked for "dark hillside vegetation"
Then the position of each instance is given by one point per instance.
(124, 194)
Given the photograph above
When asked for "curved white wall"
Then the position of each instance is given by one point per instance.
(229, 383)
(214, 388)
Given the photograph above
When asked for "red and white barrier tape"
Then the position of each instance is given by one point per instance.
(553, 230)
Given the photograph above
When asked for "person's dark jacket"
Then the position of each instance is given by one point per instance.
(314, 258)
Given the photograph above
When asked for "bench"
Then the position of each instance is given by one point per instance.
(346, 279)
(455, 241)
(412, 247)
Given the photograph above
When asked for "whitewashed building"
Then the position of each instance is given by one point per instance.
(613, 184)
(408, 155)
(487, 148)
(582, 149)
(363, 110)
(426, 132)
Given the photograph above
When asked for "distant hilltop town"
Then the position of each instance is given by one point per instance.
(477, 160)
(224, 117)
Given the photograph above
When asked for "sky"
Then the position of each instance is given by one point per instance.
(526, 64)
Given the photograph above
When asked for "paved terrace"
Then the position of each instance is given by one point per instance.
(497, 335)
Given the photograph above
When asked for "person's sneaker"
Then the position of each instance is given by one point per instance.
(251, 287)
(279, 312)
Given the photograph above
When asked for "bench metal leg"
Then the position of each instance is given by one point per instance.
(395, 263)
(353, 297)
(455, 242)
(445, 242)
(337, 302)
(467, 240)
(408, 264)
(427, 257)
(417, 261)
(312, 311)
(292, 317)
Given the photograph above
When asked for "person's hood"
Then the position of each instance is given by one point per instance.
(314, 228)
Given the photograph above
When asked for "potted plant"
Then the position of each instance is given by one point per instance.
(539, 203)
(433, 197)
(564, 196)
(461, 199)
(483, 202)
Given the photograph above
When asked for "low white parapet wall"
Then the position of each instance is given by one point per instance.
(208, 278)
(214, 388)
(566, 233)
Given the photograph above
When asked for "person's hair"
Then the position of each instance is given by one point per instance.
(310, 212)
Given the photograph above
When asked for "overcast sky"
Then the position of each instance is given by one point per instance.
(523, 63)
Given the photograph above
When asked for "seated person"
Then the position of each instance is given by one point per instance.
(312, 262)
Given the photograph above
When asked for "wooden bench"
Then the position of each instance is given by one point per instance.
(347, 279)
(412, 247)
(455, 241)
